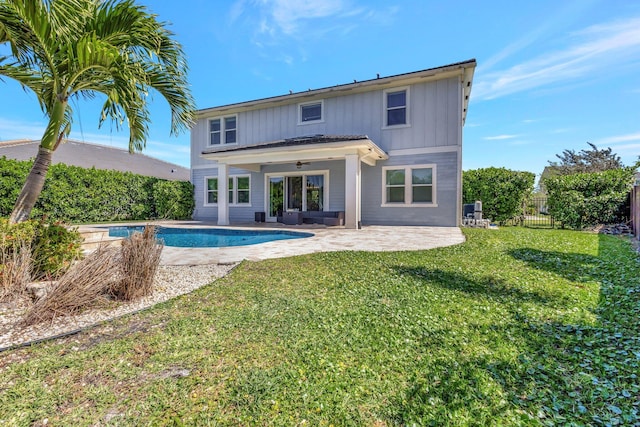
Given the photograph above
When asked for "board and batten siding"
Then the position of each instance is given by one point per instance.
(236, 213)
(201, 212)
(433, 117)
(444, 214)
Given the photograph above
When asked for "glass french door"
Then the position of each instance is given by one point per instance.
(276, 197)
(295, 193)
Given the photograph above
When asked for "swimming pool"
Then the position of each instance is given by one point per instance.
(210, 237)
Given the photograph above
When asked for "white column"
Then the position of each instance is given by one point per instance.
(352, 215)
(223, 194)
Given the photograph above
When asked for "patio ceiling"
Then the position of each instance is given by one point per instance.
(303, 149)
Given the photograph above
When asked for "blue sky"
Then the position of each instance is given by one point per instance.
(551, 75)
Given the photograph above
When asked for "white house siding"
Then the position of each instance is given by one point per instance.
(433, 115)
(442, 215)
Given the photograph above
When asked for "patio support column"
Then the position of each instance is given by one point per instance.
(352, 215)
(223, 194)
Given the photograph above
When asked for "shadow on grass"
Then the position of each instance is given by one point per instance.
(564, 373)
(571, 266)
(488, 286)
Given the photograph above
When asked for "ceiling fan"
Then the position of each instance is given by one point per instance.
(299, 164)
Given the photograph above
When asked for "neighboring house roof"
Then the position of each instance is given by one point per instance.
(464, 69)
(85, 155)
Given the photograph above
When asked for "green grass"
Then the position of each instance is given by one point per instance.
(514, 327)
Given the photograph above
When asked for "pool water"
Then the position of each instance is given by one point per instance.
(210, 237)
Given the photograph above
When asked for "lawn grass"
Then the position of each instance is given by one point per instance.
(514, 327)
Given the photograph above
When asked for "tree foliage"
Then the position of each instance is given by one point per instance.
(63, 50)
(586, 161)
(74, 194)
(584, 199)
(502, 191)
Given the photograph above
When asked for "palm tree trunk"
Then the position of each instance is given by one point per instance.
(35, 180)
(32, 187)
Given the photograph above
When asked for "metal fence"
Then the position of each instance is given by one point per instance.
(535, 213)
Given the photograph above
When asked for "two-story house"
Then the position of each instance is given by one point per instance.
(383, 151)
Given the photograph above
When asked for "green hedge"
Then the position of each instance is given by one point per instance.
(74, 194)
(586, 199)
(502, 191)
(53, 246)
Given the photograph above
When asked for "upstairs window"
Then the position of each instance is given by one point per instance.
(310, 112)
(223, 130)
(396, 102)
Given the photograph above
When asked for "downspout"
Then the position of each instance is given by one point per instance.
(459, 172)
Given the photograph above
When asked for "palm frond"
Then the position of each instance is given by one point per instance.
(67, 48)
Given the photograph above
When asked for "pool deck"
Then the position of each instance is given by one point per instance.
(326, 239)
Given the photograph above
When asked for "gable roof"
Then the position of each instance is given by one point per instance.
(85, 155)
(465, 69)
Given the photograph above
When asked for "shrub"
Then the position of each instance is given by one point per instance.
(139, 262)
(502, 192)
(173, 199)
(13, 175)
(74, 194)
(15, 257)
(586, 199)
(54, 248)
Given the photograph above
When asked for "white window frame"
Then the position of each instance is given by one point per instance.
(407, 108)
(408, 186)
(223, 130)
(324, 172)
(234, 189)
(309, 122)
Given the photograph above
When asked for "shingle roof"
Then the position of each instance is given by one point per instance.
(85, 155)
(289, 142)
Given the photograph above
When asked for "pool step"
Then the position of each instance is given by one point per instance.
(92, 239)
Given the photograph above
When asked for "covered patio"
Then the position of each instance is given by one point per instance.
(299, 151)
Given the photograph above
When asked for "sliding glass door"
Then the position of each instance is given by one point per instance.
(276, 196)
(294, 193)
(315, 192)
(299, 192)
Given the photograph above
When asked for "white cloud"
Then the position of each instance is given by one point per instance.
(288, 18)
(18, 129)
(288, 14)
(568, 11)
(619, 138)
(499, 137)
(594, 49)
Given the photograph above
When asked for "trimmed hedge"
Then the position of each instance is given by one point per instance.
(78, 195)
(586, 199)
(502, 191)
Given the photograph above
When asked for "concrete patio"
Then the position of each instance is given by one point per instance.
(325, 239)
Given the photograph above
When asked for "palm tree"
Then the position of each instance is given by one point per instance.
(66, 49)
